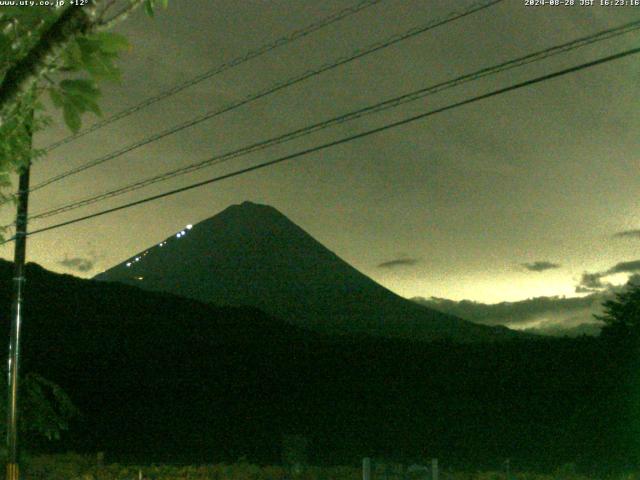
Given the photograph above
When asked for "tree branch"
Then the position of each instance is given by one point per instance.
(21, 76)
(105, 9)
(120, 16)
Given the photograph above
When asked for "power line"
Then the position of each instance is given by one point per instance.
(345, 139)
(280, 42)
(475, 7)
(280, 86)
(387, 104)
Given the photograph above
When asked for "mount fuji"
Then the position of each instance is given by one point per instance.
(253, 255)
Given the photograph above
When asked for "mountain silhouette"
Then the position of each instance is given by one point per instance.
(253, 255)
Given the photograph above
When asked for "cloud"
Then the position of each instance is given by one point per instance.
(628, 234)
(625, 267)
(592, 281)
(540, 266)
(78, 264)
(557, 316)
(399, 262)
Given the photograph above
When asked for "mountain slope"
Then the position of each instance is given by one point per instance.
(253, 255)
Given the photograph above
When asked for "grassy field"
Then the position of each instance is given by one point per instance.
(77, 467)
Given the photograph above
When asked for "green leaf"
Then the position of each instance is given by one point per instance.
(72, 57)
(148, 7)
(96, 61)
(88, 48)
(5, 45)
(71, 117)
(56, 97)
(5, 180)
(80, 87)
(110, 42)
(103, 69)
(90, 105)
(76, 97)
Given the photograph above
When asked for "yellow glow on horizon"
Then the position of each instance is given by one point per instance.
(495, 289)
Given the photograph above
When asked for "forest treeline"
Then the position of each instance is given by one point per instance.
(160, 378)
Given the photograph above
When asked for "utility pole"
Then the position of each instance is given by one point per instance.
(16, 313)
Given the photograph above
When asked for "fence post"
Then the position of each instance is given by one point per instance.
(366, 468)
(434, 469)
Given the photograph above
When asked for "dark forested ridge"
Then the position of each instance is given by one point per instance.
(159, 376)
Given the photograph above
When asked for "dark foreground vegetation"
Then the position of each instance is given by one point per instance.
(160, 378)
(77, 467)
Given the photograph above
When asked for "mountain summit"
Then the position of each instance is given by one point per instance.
(252, 255)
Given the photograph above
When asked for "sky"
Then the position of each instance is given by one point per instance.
(524, 195)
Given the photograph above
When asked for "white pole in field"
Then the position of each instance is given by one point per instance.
(434, 469)
(366, 468)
